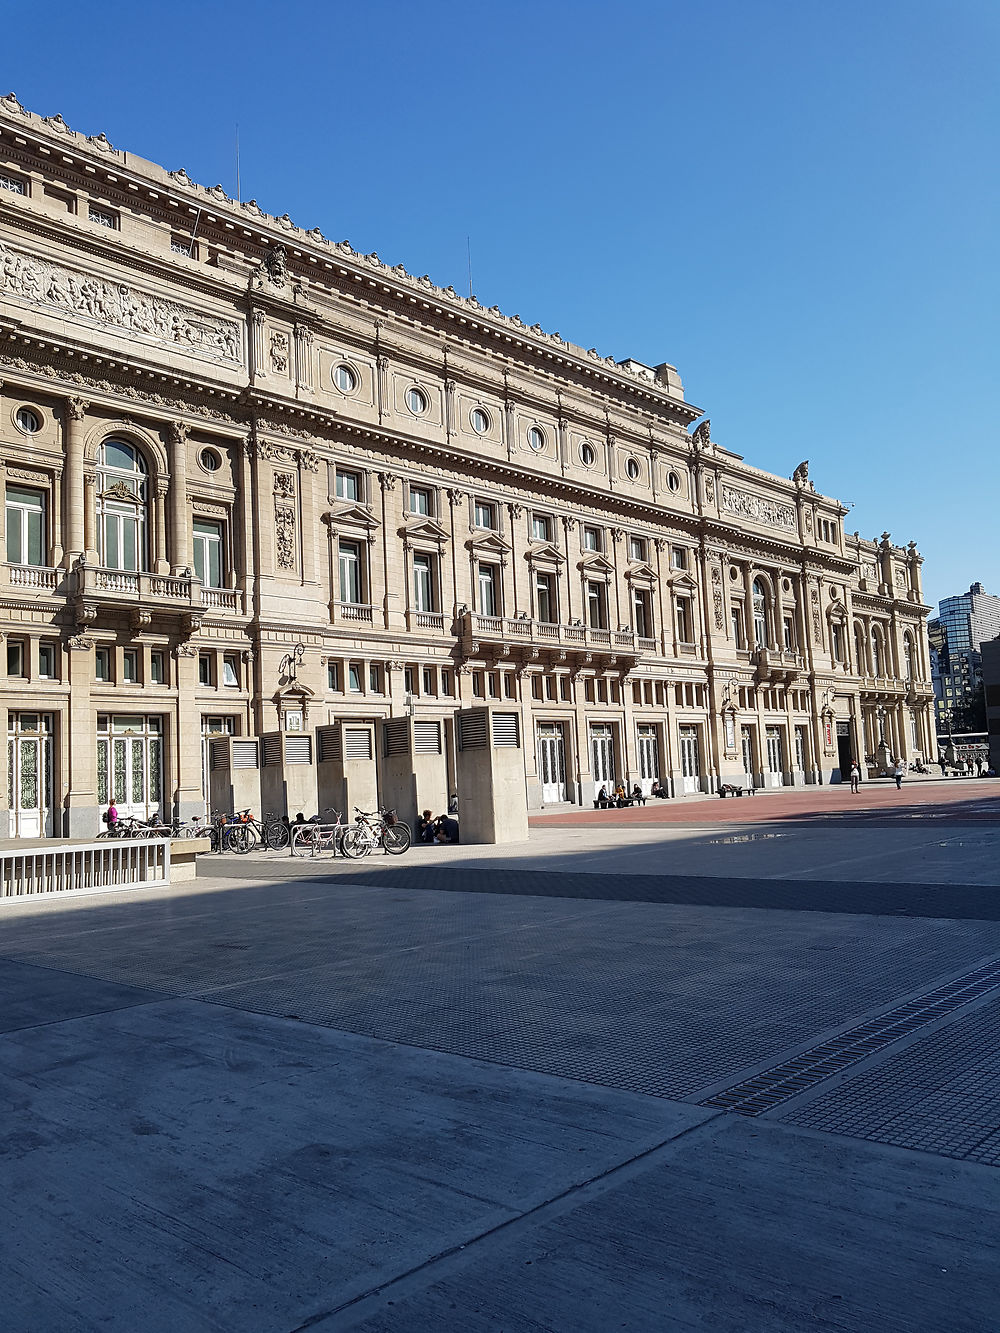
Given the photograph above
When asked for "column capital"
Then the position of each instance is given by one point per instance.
(76, 408)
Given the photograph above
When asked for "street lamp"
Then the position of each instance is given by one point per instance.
(880, 714)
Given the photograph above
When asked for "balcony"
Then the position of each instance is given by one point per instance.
(777, 664)
(37, 578)
(353, 613)
(536, 635)
(95, 589)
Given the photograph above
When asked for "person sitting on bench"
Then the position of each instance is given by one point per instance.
(603, 799)
(637, 796)
(657, 789)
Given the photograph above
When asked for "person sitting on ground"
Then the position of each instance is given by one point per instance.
(426, 827)
(447, 829)
(453, 803)
(637, 795)
(657, 789)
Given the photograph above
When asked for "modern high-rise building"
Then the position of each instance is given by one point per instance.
(278, 510)
(956, 634)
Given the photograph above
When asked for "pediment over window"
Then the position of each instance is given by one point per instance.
(836, 613)
(640, 571)
(544, 553)
(682, 582)
(424, 530)
(597, 566)
(351, 515)
(488, 543)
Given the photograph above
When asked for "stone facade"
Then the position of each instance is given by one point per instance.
(258, 483)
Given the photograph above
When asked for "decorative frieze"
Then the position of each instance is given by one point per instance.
(758, 509)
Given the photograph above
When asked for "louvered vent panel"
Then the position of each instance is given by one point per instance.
(396, 735)
(472, 730)
(219, 752)
(427, 738)
(244, 754)
(298, 749)
(506, 732)
(357, 743)
(326, 743)
(272, 750)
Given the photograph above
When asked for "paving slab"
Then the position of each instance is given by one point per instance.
(183, 1167)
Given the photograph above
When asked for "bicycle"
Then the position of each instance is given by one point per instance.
(318, 837)
(376, 829)
(272, 833)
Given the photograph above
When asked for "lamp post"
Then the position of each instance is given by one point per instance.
(880, 714)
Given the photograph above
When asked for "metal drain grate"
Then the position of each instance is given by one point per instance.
(764, 1091)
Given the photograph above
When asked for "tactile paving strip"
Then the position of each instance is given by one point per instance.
(790, 1078)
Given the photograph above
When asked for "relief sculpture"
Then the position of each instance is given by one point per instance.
(90, 300)
(757, 508)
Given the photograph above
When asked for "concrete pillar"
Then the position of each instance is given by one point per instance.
(234, 775)
(82, 813)
(74, 540)
(492, 794)
(180, 534)
(186, 740)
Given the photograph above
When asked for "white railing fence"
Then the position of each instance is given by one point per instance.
(87, 867)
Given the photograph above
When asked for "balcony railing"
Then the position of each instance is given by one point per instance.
(426, 620)
(355, 611)
(33, 576)
(124, 586)
(476, 626)
(222, 599)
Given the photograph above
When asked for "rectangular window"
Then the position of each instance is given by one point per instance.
(446, 682)
(489, 600)
(102, 664)
(333, 675)
(354, 678)
(486, 515)
(536, 687)
(231, 672)
(13, 183)
(541, 528)
(564, 689)
(545, 599)
(103, 217)
(409, 681)
(47, 661)
(130, 666)
(182, 245)
(597, 605)
(205, 672)
(637, 548)
(420, 500)
(493, 682)
(429, 681)
(424, 581)
(208, 552)
(156, 668)
(679, 557)
(737, 615)
(477, 684)
(348, 485)
(350, 572)
(683, 620)
(642, 619)
(509, 685)
(375, 679)
(15, 657)
(592, 539)
(789, 633)
(25, 526)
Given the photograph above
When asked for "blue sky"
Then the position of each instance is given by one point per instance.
(795, 203)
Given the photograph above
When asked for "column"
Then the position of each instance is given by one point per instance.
(90, 519)
(161, 564)
(80, 742)
(186, 749)
(180, 536)
(75, 541)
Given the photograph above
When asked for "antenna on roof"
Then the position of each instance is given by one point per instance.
(238, 198)
(468, 252)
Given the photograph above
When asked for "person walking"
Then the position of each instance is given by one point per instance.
(897, 773)
(855, 777)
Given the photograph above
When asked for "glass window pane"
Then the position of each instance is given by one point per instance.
(111, 555)
(129, 544)
(199, 557)
(14, 541)
(215, 563)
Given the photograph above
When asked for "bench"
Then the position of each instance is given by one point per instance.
(613, 805)
(728, 789)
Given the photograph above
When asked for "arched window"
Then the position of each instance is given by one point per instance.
(759, 615)
(122, 498)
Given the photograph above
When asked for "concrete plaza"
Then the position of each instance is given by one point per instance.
(724, 1065)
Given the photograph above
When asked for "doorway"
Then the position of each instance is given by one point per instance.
(690, 759)
(844, 754)
(552, 762)
(29, 774)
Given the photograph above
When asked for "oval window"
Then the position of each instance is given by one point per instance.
(633, 469)
(28, 421)
(480, 421)
(416, 401)
(536, 439)
(345, 379)
(210, 460)
(587, 454)
(673, 481)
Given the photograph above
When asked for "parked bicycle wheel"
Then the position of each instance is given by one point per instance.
(355, 842)
(276, 836)
(240, 838)
(396, 838)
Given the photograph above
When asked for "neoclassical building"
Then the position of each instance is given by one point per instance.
(259, 485)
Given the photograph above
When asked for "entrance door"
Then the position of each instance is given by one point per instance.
(844, 757)
(130, 764)
(552, 762)
(690, 761)
(747, 746)
(602, 749)
(29, 775)
(775, 764)
(649, 756)
(212, 728)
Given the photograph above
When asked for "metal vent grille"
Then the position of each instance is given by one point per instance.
(396, 736)
(244, 753)
(298, 749)
(326, 743)
(506, 731)
(472, 730)
(766, 1090)
(427, 738)
(358, 743)
(272, 750)
(219, 755)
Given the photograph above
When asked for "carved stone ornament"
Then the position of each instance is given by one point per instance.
(185, 650)
(309, 460)
(23, 474)
(141, 618)
(455, 497)
(178, 432)
(717, 597)
(817, 623)
(394, 665)
(274, 267)
(284, 486)
(80, 643)
(192, 622)
(758, 509)
(809, 520)
(279, 352)
(702, 438)
(76, 408)
(284, 526)
(710, 490)
(11, 104)
(387, 481)
(84, 299)
(515, 511)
